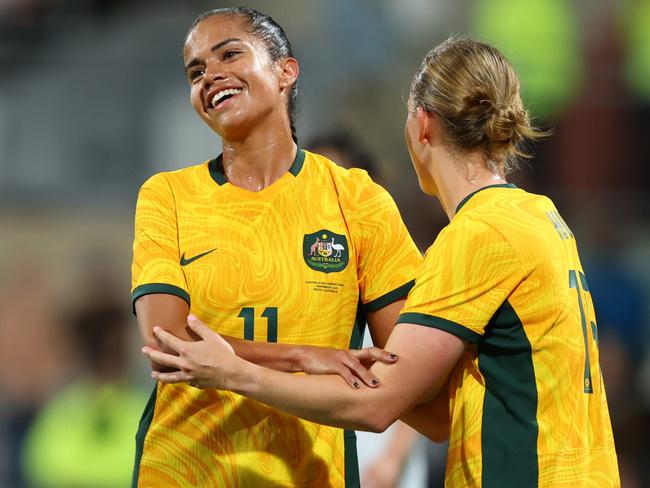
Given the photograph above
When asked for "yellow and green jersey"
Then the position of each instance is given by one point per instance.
(527, 401)
(299, 262)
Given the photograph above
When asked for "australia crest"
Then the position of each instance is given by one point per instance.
(325, 251)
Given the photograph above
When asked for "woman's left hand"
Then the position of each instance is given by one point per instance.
(206, 363)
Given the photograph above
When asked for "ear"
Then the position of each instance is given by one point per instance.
(427, 125)
(289, 71)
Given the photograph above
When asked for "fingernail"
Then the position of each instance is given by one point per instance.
(374, 382)
(392, 357)
(143, 351)
(153, 375)
(156, 328)
(192, 317)
(355, 384)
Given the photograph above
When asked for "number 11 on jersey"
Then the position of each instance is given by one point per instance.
(271, 316)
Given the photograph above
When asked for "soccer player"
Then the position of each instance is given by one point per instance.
(274, 247)
(499, 329)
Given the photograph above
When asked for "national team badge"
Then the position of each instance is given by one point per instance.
(325, 251)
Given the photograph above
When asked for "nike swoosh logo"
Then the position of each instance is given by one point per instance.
(185, 262)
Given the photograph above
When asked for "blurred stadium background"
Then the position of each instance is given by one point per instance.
(93, 101)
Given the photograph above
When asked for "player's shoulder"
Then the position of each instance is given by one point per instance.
(502, 206)
(510, 215)
(169, 180)
(326, 166)
(354, 183)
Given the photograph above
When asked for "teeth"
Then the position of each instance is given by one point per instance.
(223, 93)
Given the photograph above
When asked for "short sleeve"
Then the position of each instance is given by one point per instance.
(388, 257)
(468, 273)
(156, 261)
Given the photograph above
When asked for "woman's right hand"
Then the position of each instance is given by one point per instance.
(352, 365)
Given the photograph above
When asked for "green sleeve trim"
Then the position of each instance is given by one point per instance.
(150, 288)
(439, 323)
(389, 297)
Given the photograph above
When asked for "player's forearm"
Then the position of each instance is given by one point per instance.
(324, 399)
(281, 357)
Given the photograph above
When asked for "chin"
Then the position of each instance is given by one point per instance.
(432, 192)
(228, 127)
(428, 187)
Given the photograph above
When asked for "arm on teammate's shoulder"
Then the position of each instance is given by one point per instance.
(170, 313)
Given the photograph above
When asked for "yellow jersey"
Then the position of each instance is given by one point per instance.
(527, 400)
(299, 262)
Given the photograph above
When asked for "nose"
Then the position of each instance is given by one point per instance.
(213, 73)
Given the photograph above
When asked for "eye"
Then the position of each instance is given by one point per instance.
(195, 74)
(230, 53)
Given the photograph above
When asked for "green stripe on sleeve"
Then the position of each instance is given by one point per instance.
(389, 297)
(439, 323)
(150, 288)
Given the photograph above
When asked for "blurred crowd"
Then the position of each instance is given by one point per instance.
(92, 101)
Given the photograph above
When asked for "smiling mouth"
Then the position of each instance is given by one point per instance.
(224, 95)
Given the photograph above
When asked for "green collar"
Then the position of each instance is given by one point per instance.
(501, 185)
(219, 176)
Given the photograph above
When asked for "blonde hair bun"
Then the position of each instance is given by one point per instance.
(475, 91)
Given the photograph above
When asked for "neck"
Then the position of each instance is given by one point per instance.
(258, 160)
(458, 176)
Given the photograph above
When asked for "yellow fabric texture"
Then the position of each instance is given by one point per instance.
(509, 250)
(255, 272)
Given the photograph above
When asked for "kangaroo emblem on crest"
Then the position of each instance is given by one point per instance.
(314, 247)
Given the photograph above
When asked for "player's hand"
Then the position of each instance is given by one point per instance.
(205, 363)
(351, 365)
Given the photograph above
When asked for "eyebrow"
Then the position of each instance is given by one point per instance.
(219, 45)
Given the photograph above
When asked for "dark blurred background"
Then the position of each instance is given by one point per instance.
(93, 101)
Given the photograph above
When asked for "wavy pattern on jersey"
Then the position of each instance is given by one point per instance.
(502, 246)
(158, 240)
(200, 438)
